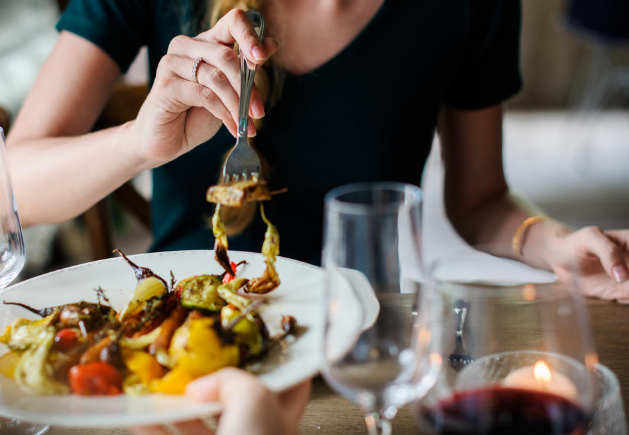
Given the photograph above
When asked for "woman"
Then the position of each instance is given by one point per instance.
(354, 94)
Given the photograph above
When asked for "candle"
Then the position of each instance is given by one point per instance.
(540, 378)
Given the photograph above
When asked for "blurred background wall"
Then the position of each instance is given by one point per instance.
(556, 57)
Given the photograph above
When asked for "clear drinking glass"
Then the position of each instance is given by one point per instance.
(11, 243)
(609, 411)
(12, 257)
(518, 358)
(374, 353)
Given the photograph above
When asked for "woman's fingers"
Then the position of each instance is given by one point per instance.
(222, 386)
(609, 253)
(620, 237)
(149, 430)
(293, 403)
(222, 57)
(206, 75)
(193, 427)
(183, 94)
(219, 57)
(195, 94)
(236, 26)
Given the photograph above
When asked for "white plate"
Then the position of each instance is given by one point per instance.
(300, 295)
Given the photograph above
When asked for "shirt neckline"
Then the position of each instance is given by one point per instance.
(349, 47)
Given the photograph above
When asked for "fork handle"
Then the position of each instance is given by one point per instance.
(460, 310)
(247, 74)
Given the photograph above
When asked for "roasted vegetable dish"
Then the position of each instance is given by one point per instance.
(167, 335)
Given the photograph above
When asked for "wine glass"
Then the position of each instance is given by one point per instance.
(609, 411)
(373, 353)
(12, 257)
(519, 358)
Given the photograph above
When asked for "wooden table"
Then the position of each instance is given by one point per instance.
(330, 414)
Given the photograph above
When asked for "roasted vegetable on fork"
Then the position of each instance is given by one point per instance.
(270, 249)
(220, 241)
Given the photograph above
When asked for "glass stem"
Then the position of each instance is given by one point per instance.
(377, 425)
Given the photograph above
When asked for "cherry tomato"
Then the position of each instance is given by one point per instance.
(229, 277)
(95, 379)
(66, 339)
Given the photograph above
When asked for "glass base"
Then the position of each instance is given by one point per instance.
(17, 427)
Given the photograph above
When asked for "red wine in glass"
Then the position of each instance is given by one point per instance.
(501, 411)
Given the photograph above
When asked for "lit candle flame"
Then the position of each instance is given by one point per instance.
(541, 371)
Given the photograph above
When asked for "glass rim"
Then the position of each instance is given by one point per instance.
(614, 384)
(332, 201)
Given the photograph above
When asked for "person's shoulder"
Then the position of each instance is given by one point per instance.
(118, 27)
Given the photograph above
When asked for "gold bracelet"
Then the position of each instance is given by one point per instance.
(516, 241)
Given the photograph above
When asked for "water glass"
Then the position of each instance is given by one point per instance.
(373, 352)
(11, 242)
(12, 257)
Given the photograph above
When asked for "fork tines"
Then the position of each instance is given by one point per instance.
(233, 178)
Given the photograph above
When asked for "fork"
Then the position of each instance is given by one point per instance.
(459, 357)
(242, 162)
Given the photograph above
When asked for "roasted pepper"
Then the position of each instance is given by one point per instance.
(8, 363)
(198, 349)
(174, 382)
(269, 280)
(145, 366)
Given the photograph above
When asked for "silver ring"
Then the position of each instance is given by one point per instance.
(195, 67)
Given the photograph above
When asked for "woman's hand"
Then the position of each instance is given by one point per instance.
(182, 110)
(248, 407)
(599, 259)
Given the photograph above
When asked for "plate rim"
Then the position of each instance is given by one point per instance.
(151, 254)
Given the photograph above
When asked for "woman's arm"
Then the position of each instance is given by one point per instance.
(483, 211)
(477, 198)
(58, 170)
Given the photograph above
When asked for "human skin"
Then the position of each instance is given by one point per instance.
(248, 406)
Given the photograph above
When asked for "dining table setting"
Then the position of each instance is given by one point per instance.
(394, 341)
(397, 337)
(398, 330)
(330, 413)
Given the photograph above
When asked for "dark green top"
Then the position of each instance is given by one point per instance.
(367, 114)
